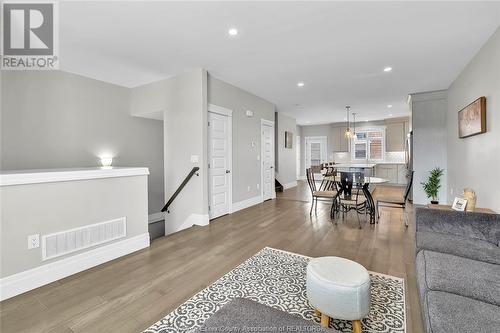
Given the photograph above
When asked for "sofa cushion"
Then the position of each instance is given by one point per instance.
(454, 313)
(458, 245)
(481, 226)
(461, 276)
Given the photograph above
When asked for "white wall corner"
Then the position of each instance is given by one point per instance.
(19, 283)
(247, 203)
(192, 219)
(289, 185)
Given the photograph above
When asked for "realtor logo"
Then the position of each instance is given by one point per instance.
(30, 36)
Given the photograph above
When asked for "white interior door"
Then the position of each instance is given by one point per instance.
(219, 171)
(267, 157)
(316, 150)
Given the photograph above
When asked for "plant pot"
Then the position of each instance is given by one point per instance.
(434, 202)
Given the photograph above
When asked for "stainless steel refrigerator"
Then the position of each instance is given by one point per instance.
(409, 159)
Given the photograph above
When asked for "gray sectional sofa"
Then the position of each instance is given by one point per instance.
(458, 270)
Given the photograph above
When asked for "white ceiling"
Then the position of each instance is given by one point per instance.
(338, 49)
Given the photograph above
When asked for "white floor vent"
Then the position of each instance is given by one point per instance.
(68, 241)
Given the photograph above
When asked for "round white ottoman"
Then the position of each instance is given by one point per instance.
(338, 288)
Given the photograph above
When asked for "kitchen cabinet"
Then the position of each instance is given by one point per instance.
(402, 174)
(340, 143)
(395, 173)
(395, 136)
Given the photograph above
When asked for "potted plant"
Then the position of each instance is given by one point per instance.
(431, 187)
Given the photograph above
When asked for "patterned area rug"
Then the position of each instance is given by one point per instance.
(278, 279)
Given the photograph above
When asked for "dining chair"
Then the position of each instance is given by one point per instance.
(323, 195)
(396, 201)
(351, 194)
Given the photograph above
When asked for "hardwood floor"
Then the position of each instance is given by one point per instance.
(131, 293)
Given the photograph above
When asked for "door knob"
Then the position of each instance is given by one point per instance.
(228, 171)
(272, 167)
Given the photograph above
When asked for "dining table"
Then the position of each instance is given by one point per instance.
(368, 181)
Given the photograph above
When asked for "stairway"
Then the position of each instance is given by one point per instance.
(278, 186)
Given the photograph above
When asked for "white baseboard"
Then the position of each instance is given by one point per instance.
(289, 185)
(301, 178)
(152, 218)
(247, 203)
(19, 283)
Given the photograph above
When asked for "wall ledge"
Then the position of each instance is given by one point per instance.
(23, 177)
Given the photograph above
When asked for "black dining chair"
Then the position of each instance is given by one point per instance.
(351, 194)
(397, 201)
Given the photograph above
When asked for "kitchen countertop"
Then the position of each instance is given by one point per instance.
(355, 165)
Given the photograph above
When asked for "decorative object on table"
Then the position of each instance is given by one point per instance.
(472, 118)
(433, 184)
(278, 279)
(288, 140)
(471, 198)
(459, 204)
(338, 288)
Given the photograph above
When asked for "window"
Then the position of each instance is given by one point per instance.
(368, 144)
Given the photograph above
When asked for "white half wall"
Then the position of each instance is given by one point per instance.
(474, 161)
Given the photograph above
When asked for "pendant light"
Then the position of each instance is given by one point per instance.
(353, 135)
(348, 133)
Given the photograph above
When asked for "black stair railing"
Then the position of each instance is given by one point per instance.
(179, 189)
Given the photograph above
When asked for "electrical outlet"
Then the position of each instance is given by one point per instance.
(33, 241)
(248, 189)
(451, 191)
(258, 186)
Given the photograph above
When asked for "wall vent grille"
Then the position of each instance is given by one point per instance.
(68, 241)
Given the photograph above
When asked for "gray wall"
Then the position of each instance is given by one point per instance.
(246, 166)
(54, 119)
(318, 130)
(429, 141)
(286, 161)
(475, 161)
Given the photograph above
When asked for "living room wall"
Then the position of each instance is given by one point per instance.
(474, 161)
(55, 119)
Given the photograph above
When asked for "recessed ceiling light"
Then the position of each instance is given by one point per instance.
(366, 120)
(389, 106)
(308, 122)
(387, 69)
(300, 84)
(390, 114)
(232, 32)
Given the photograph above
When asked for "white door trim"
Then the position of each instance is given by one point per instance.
(265, 122)
(220, 110)
(229, 114)
(315, 138)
